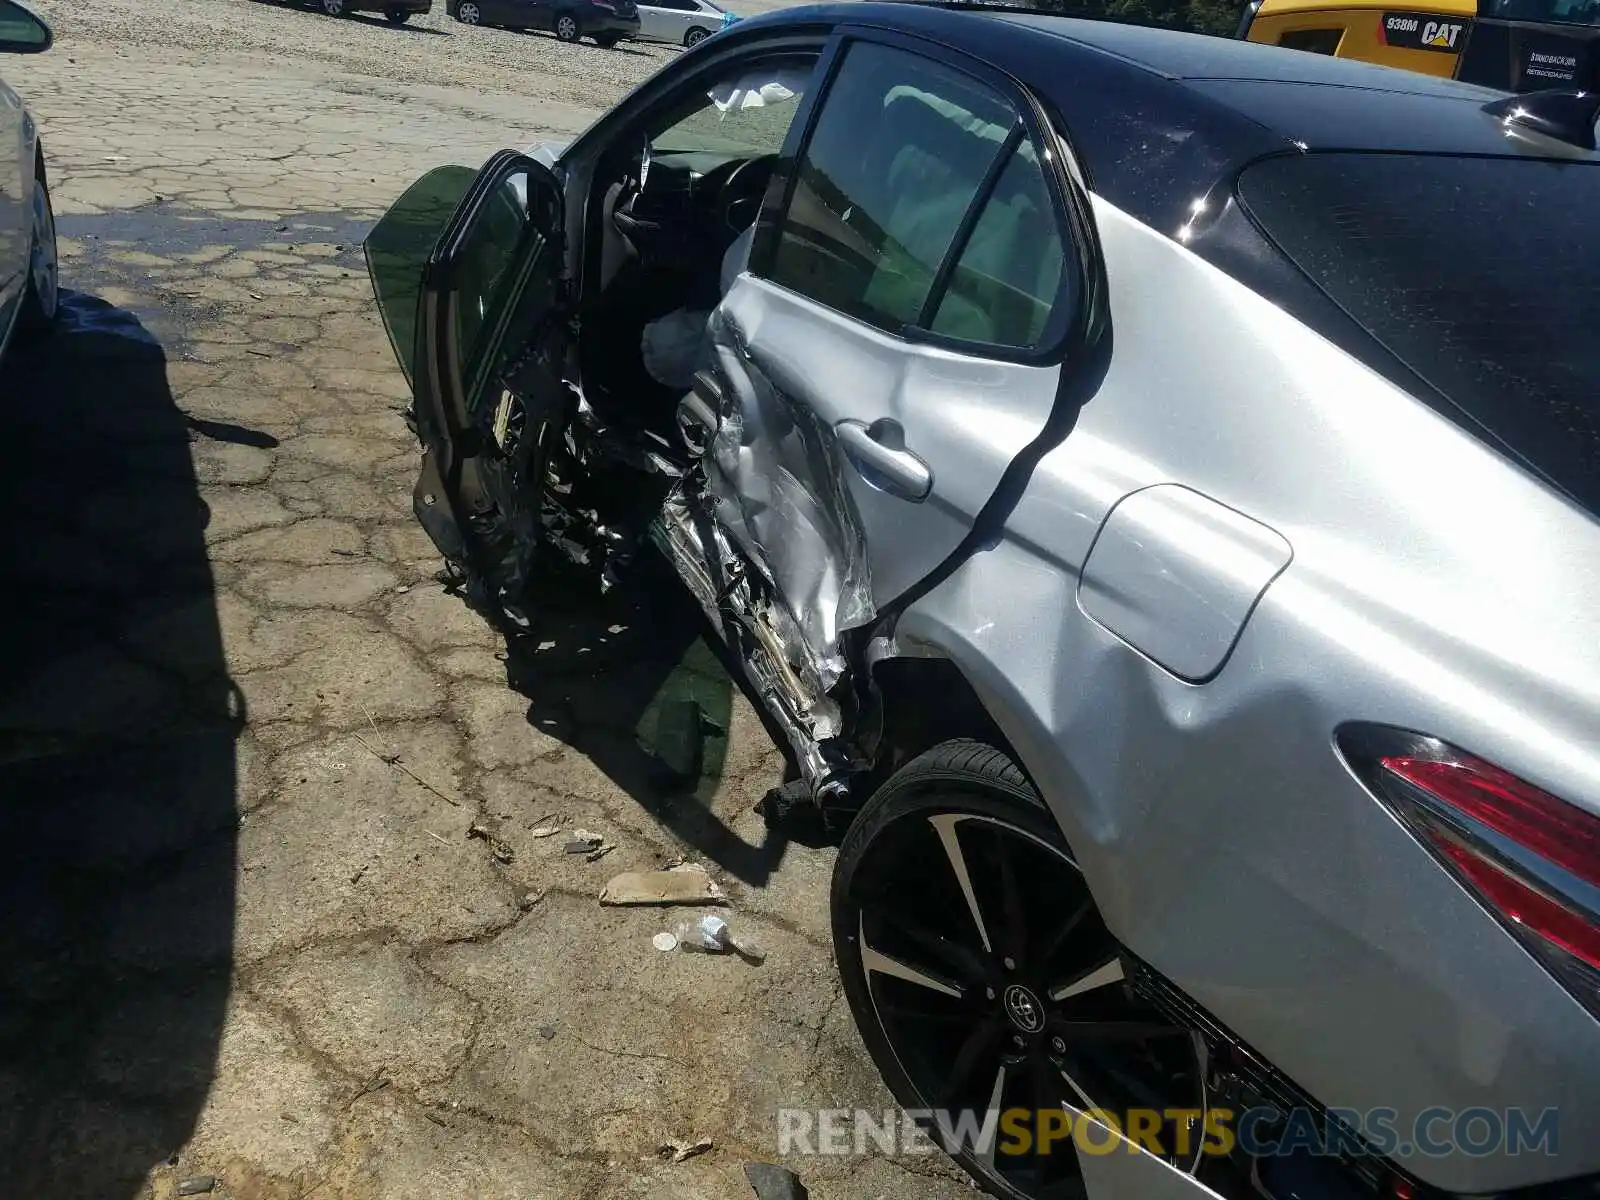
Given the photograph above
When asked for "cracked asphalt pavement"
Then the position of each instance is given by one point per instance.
(244, 734)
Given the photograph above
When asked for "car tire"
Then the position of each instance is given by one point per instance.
(567, 28)
(980, 974)
(334, 8)
(42, 301)
(693, 38)
(396, 16)
(467, 13)
(607, 41)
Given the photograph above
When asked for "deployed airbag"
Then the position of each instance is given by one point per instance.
(678, 345)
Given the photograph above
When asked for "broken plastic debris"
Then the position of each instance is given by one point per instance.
(499, 847)
(665, 942)
(545, 831)
(680, 1151)
(582, 842)
(197, 1185)
(682, 885)
(773, 1182)
(749, 950)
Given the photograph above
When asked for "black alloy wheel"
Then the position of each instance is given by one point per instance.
(983, 979)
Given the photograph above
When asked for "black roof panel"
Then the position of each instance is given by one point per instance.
(1180, 55)
(1320, 117)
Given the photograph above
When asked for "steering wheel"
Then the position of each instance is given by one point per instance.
(742, 191)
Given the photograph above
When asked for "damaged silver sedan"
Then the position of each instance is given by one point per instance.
(1151, 482)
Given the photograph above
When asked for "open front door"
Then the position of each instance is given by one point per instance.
(468, 272)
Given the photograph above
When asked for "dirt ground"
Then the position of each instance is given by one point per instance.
(244, 734)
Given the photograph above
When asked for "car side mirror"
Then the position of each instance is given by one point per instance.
(21, 32)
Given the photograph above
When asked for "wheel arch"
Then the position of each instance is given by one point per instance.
(978, 696)
(908, 726)
(971, 698)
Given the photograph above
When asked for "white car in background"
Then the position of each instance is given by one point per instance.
(681, 22)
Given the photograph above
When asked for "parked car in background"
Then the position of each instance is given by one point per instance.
(29, 293)
(1153, 483)
(397, 12)
(681, 22)
(606, 21)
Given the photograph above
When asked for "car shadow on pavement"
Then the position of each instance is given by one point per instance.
(619, 48)
(118, 723)
(615, 677)
(383, 23)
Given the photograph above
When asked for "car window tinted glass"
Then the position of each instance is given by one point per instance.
(398, 249)
(1475, 272)
(489, 252)
(20, 29)
(1006, 281)
(900, 149)
(743, 114)
(1565, 12)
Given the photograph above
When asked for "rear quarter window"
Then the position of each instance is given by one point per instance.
(1481, 274)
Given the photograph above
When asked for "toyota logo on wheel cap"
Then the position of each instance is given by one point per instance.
(1024, 1009)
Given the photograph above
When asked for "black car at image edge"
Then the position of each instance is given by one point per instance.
(606, 21)
(397, 12)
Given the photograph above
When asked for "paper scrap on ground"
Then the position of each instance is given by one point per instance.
(662, 887)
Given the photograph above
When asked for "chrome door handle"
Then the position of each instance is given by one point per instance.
(879, 452)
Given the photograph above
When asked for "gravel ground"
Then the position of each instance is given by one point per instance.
(432, 50)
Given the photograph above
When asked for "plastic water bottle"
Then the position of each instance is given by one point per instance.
(708, 935)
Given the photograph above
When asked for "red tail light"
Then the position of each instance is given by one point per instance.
(1530, 858)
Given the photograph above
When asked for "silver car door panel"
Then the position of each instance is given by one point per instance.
(794, 371)
(781, 492)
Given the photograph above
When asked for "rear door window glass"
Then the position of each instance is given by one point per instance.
(900, 149)
(1008, 278)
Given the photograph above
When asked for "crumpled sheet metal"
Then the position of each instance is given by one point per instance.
(781, 496)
